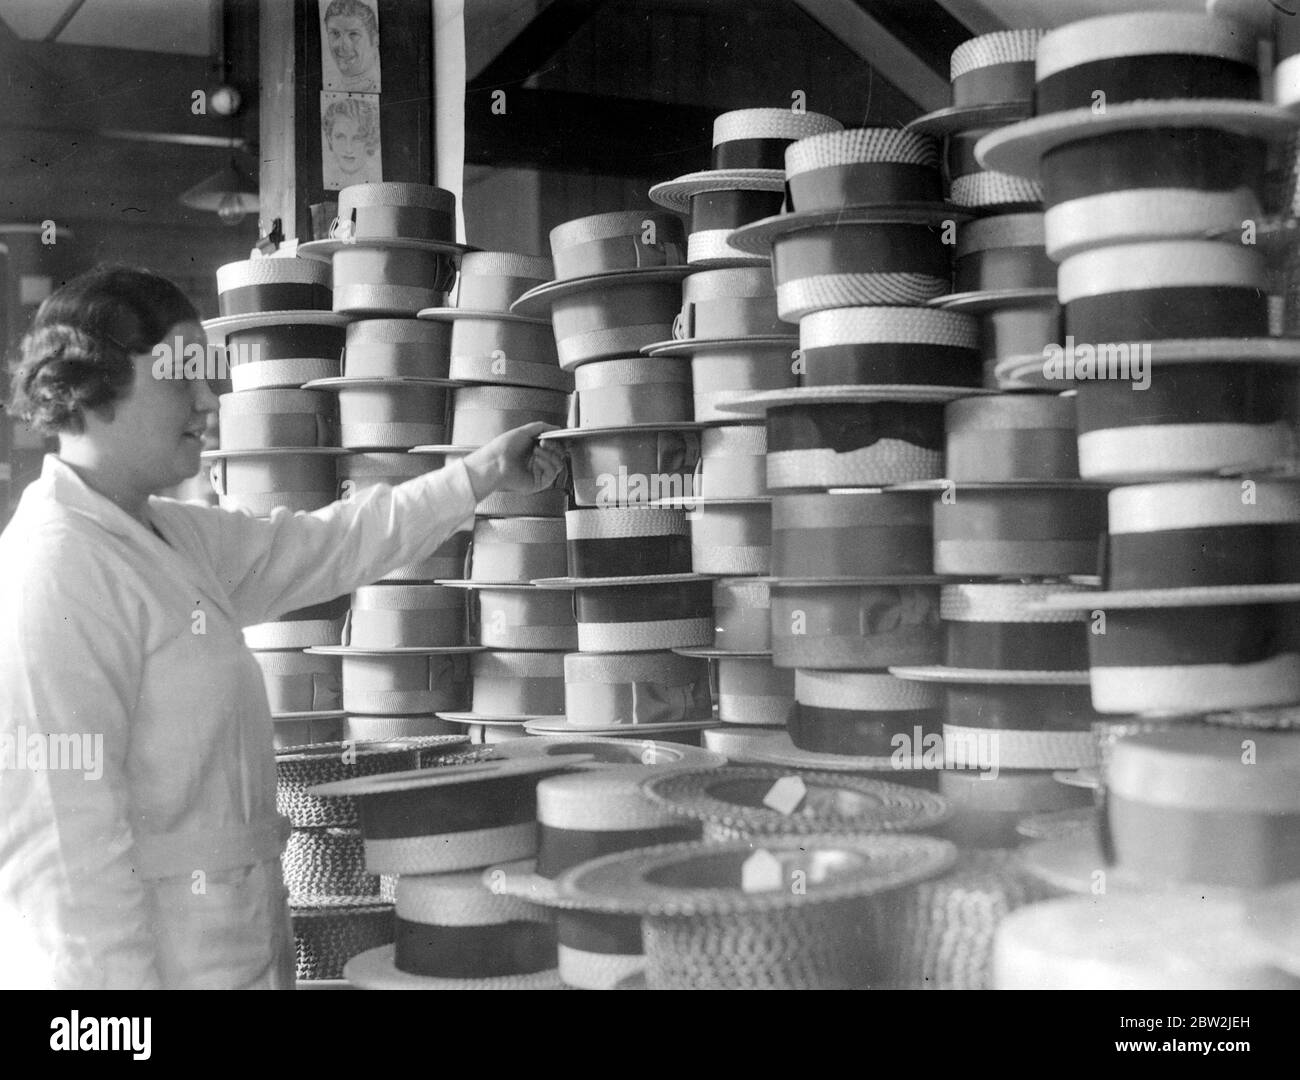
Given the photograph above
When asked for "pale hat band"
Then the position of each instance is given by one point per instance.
(823, 510)
(644, 637)
(730, 284)
(742, 593)
(1118, 216)
(733, 440)
(294, 634)
(988, 50)
(373, 297)
(406, 598)
(394, 194)
(276, 662)
(452, 851)
(1148, 33)
(399, 702)
(1004, 603)
(708, 557)
(635, 371)
(1200, 504)
(1000, 231)
(1184, 450)
(888, 325)
(396, 435)
(415, 332)
(1199, 768)
(518, 398)
(963, 746)
(381, 728)
(519, 530)
(272, 271)
(630, 223)
(271, 402)
(529, 637)
(518, 665)
(889, 461)
(664, 667)
(574, 349)
(506, 264)
(770, 124)
(1010, 412)
(459, 899)
(624, 522)
(602, 800)
(761, 710)
(1162, 264)
(1286, 81)
(597, 971)
(863, 690)
(273, 374)
(509, 371)
(855, 146)
(983, 189)
(803, 296)
(1197, 688)
(714, 245)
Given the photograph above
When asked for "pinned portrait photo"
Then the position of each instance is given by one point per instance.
(350, 151)
(349, 41)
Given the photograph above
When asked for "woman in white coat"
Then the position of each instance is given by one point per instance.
(139, 840)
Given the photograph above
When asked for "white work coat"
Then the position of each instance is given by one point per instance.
(162, 871)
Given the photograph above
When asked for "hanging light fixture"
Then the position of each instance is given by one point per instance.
(231, 192)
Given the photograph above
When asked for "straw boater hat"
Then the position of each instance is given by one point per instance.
(458, 817)
(1156, 70)
(742, 617)
(863, 206)
(746, 183)
(979, 190)
(519, 617)
(276, 419)
(329, 863)
(514, 551)
(948, 923)
(1184, 814)
(329, 931)
(634, 694)
(1133, 943)
(298, 684)
(987, 810)
(393, 248)
(320, 624)
(625, 546)
(489, 282)
(453, 933)
(604, 751)
(403, 681)
(706, 927)
(630, 466)
(999, 260)
(582, 816)
(275, 322)
(747, 688)
(750, 803)
(511, 688)
(617, 286)
(992, 79)
(261, 480)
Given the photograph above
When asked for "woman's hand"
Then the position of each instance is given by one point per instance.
(515, 461)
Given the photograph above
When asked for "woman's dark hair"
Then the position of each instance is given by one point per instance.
(77, 354)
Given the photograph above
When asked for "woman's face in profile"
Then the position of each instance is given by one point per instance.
(348, 144)
(156, 431)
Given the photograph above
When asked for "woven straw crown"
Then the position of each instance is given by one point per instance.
(394, 332)
(1005, 603)
(605, 800)
(868, 325)
(621, 522)
(390, 194)
(272, 271)
(506, 264)
(648, 667)
(770, 124)
(861, 145)
(863, 690)
(987, 50)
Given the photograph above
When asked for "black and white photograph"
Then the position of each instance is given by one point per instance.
(652, 495)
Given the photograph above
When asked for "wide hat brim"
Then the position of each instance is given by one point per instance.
(1019, 148)
(325, 249)
(776, 748)
(629, 882)
(721, 654)
(492, 719)
(229, 324)
(562, 726)
(396, 650)
(939, 673)
(376, 969)
(540, 298)
(451, 314)
(472, 773)
(1191, 596)
(319, 714)
(570, 583)
(885, 807)
(1071, 863)
(955, 118)
(946, 484)
(694, 346)
(275, 451)
(1086, 778)
(572, 434)
(360, 382)
(978, 301)
(757, 238)
(759, 403)
(605, 750)
(676, 194)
